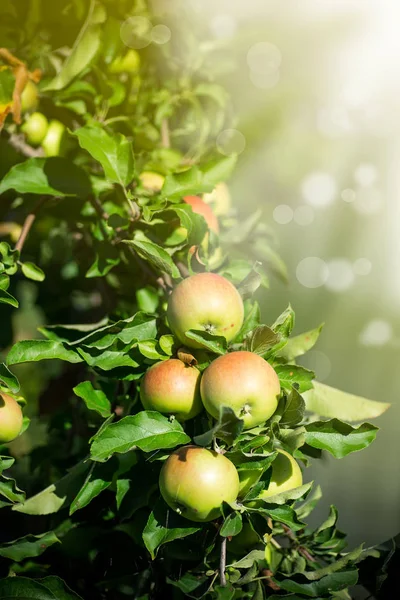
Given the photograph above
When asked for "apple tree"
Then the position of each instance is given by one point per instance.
(171, 425)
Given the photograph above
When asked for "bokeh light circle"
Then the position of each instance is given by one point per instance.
(223, 26)
(265, 81)
(340, 275)
(304, 215)
(377, 332)
(318, 362)
(348, 195)
(283, 214)
(365, 174)
(312, 272)
(264, 57)
(160, 34)
(230, 141)
(319, 189)
(362, 266)
(136, 32)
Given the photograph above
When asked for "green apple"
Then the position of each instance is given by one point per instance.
(29, 97)
(53, 142)
(205, 302)
(243, 381)
(172, 388)
(129, 63)
(35, 128)
(152, 181)
(286, 475)
(244, 541)
(203, 209)
(10, 419)
(220, 199)
(195, 482)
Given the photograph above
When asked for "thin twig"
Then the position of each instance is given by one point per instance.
(165, 138)
(19, 144)
(222, 562)
(30, 219)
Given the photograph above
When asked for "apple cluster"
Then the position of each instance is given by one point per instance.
(241, 380)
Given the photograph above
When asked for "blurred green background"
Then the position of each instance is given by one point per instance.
(314, 86)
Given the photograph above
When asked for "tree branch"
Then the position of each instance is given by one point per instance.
(222, 562)
(26, 227)
(19, 144)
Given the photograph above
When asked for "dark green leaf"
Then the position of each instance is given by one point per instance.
(6, 298)
(338, 438)
(164, 526)
(94, 399)
(34, 350)
(99, 479)
(261, 340)
(293, 412)
(10, 490)
(214, 343)
(329, 583)
(156, 256)
(232, 525)
(227, 428)
(49, 588)
(28, 546)
(9, 379)
(146, 430)
(300, 344)
(290, 375)
(114, 152)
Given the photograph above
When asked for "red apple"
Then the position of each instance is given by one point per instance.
(173, 388)
(195, 482)
(243, 381)
(201, 208)
(206, 302)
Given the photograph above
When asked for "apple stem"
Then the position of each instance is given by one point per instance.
(222, 562)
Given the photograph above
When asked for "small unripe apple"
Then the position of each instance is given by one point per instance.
(29, 97)
(286, 475)
(203, 209)
(53, 142)
(172, 388)
(129, 63)
(206, 302)
(35, 128)
(10, 418)
(152, 181)
(243, 381)
(220, 199)
(195, 482)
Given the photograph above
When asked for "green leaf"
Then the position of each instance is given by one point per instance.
(297, 493)
(134, 329)
(338, 438)
(113, 357)
(214, 343)
(293, 412)
(226, 592)
(102, 265)
(28, 546)
(49, 588)
(284, 323)
(261, 340)
(54, 176)
(300, 344)
(284, 514)
(227, 428)
(328, 402)
(164, 526)
(247, 561)
(232, 525)
(147, 430)
(57, 495)
(5, 463)
(290, 375)
(32, 271)
(156, 256)
(251, 319)
(10, 490)
(308, 506)
(186, 183)
(114, 152)
(338, 565)
(9, 379)
(99, 479)
(330, 583)
(94, 399)
(84, 49)
(6, 298)
(35, 350)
